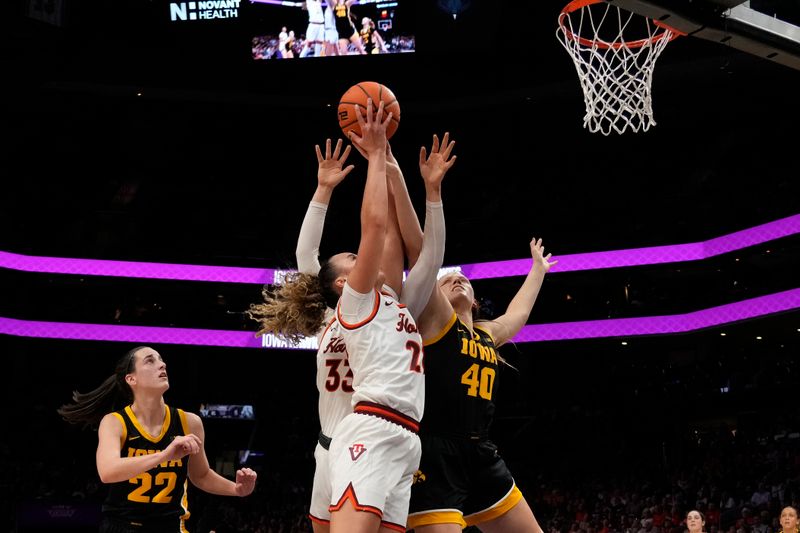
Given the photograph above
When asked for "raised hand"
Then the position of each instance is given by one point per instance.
(391, 160)
(330, 172)
(373, 129)
(182, 446)
(245, 481)
(433, 167)
(537, 252)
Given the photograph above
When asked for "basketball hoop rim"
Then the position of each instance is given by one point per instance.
(669, 32)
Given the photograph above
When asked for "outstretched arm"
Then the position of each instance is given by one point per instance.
(407, 220)
(329, 174)
(421, 282)
(401, 208)
(207, 480)
(374, 205)
(506, 326)
(392, 260)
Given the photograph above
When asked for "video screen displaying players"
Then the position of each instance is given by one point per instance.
(330, 28)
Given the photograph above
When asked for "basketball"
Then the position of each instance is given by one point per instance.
(356, 96)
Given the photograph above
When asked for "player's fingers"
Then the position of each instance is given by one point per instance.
(327, 148)
(195, 440)
(360, 117)
(423, 156)
(346, 153)
(356, 140)
(449, 149)
(319, 153)
(369, 110)
(357, 146)
(435, 146)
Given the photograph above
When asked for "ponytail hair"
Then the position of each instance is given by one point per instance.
(297, 307)
(88, 408)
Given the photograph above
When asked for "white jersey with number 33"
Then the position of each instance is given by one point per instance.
(334, 378)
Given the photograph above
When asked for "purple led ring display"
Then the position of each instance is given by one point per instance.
(623, 327)
(495, 269)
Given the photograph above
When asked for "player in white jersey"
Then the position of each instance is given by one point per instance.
(315, 33)
(331, 35)
(334, 376)
(335, 386)
(376, 450)
(283, 38)
(303, 296)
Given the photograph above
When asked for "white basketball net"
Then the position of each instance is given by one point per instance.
(616, 74)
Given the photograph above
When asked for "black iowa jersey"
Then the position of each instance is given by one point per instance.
(460, 382)
(344, 25)
(157, 496)
(366, 38)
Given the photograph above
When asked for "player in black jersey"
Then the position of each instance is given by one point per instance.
(371, 38)
(462, 480)
(348, 34)
(147, 450)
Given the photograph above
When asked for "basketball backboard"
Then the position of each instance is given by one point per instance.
(763, 28)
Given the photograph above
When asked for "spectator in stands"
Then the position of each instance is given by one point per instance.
(760, 498)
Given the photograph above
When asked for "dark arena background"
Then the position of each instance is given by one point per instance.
(656, 379)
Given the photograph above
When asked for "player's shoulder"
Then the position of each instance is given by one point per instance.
(192, 418)
(487, 327)
(113, 421)
(190, 422)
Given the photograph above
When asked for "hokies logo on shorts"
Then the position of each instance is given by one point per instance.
(356, 450)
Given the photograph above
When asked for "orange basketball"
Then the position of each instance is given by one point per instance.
(357, 96)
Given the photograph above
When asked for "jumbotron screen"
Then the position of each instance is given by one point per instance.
(330, 28)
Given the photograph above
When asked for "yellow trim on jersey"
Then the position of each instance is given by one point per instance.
(436, 517)
(145, 434)
(476, 326)
(184, 422)
(511, 499)
(444, 331)
(124, 435)
(185, 502)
